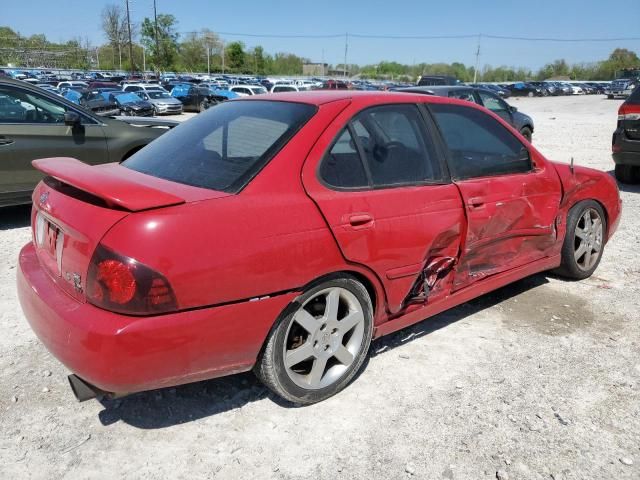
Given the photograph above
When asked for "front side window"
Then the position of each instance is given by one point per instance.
(224, 147)
(390, 142)
(479, 145)
(23, 106)
(493, 103)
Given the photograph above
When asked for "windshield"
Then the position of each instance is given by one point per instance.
(155, 94)
(224, 147)
(127, 97)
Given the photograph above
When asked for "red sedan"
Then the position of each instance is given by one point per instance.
(283, 233)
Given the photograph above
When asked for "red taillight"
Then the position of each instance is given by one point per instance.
(629, 111)
(123, 285)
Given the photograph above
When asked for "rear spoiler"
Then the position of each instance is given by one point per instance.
(111, 183)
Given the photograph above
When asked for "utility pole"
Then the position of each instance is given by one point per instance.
(222, 41)
(475, 71)
(155, 19)
(346, 48)
(130, 45)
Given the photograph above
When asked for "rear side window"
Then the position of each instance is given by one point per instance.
(391, 146)
(224, 147)
(479, 145)
(342, 167)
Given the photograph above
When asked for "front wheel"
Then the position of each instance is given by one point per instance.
(584, 241)
(527, 133)
(203, 106)
(319, 343)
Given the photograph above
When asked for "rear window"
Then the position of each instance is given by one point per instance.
(635, 96)
(224, 147)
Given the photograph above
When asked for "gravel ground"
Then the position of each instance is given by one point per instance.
(539, 380)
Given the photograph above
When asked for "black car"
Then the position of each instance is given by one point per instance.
(193, 97)
(626, 140)
(131, 104)
(518, 120)
(433, 80)
(522, 89)
(98, 103)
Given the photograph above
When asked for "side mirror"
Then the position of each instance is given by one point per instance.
(513, 109)
(71, 118)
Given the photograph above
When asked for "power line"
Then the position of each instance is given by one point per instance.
(424, 37)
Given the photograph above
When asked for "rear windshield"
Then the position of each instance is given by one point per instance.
(224, 147)
(635, 96)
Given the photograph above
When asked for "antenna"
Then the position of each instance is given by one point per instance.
(571, 165)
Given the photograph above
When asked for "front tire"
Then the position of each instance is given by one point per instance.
(629, 174)
(584, 241)
(527, 133)
(320, 342)
(203, 106)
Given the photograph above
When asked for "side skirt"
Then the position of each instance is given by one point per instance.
(461, 296)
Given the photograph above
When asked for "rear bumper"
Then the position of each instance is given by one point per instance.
(626, 151)
(124, 354)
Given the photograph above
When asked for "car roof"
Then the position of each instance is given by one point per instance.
(320, 97)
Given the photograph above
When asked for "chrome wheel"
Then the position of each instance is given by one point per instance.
(588, 239)
(324, 338)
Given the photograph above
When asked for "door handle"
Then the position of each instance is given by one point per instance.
(476, 202)
(6, 141)
(360, 220)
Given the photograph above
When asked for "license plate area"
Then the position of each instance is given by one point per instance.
(50, 242)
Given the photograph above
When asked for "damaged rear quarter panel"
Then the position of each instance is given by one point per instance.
(588, 184)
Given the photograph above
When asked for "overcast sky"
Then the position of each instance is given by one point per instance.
(565, 19)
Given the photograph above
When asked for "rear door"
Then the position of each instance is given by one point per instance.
(379, 182)
(511, 195)
(32, 126)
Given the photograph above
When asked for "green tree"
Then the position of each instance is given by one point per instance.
(163, 57)
(235, 57)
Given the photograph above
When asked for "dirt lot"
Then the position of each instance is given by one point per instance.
(539, 380)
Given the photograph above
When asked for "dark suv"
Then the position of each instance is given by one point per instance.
(521, 122)
(626, 140)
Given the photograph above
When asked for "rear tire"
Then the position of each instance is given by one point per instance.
(530, 94)
(319, 343)
(527, 133)
(629, 174)
(203, 106)
(584, 240)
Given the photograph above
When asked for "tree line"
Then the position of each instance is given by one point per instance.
(162, 48)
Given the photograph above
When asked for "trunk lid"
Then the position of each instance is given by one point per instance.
(77, 204)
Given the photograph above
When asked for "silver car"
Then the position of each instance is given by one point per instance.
(163, 103)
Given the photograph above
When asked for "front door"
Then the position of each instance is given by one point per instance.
(384, 193)
(32, 126)
(511, 195)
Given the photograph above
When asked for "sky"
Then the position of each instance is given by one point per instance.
(566, 19)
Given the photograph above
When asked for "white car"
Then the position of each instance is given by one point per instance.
(248, 90)
(576, 89)
(141, 87)
(285, 88)
(72, 84)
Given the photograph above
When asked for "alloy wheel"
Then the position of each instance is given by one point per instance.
(324, 338)
(588, 239)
